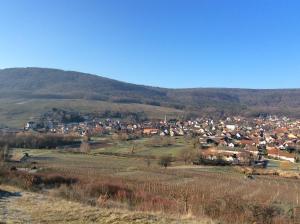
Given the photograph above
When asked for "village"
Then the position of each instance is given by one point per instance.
(234, 140)
(65, 150)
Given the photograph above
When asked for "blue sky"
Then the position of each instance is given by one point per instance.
(168, 43)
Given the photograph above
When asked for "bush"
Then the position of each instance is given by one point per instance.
(55, 180)
(85, 147)
(165, 161)
(34, 181)
(93, 192)
(187, 155)
(212, 162)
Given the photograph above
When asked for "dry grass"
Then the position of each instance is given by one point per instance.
(37, 208)
(16, 114)
(220, 193)
(228, 198)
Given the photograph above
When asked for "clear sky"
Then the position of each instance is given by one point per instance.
(168, 43)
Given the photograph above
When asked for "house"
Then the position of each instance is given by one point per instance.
(150, 131)
(280, 154)
(31, 125)
(230, 127)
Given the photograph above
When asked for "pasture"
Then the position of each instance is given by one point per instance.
(16, 112)
(218, 193)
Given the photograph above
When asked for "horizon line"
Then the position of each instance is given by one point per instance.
(149, 85)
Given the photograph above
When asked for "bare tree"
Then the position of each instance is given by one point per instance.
(195, 143)
(4, 154)
(187, 155)
(148, 161)
(133, 149)
(85, 147)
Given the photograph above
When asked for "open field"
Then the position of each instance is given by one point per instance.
(16, 112)
(19, 206)
(148, 111)
(202, 192)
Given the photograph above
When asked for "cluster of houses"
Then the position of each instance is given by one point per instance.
(271, 136)
(252, 140)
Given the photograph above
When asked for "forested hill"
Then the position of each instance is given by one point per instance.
(51, 84)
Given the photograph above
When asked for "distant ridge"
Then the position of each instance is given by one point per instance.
(51, 84)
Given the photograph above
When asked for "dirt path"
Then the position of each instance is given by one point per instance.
(26, 207)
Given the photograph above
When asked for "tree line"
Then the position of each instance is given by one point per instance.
(36, 141)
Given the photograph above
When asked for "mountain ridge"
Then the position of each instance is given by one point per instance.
(150, 86)
(46, 84)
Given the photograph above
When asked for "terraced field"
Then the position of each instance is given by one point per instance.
(200, 192)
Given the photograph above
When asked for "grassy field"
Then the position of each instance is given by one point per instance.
(202, 192)
(146, 147)
(16, 112)
(20, 206)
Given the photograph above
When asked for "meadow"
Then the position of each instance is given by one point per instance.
(16, 112)
(127, 175)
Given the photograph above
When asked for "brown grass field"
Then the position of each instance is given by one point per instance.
(18, 112)
(31, 207)
(129, 183)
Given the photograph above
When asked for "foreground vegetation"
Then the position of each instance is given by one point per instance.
(21, 207)
(130, 176)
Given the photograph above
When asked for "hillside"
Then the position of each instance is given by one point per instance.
(19, 206)
(28, 91)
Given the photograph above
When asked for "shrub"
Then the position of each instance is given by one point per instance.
(165, 161)
(187, 155)
(85, 147)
